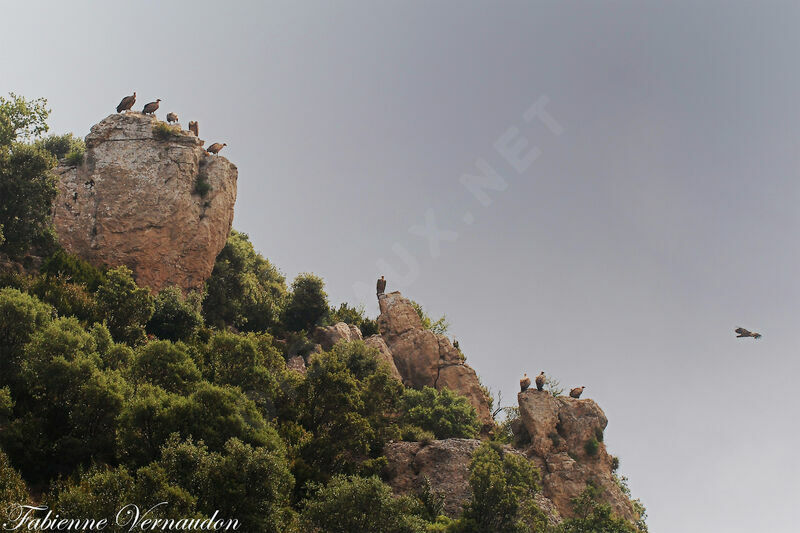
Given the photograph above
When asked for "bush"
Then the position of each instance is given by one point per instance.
(440, 326)
(163, 131)
(591, 447)
(62, 145)
(503, 486)
(202, 186)
(74, 158)
(355, 316)
(165, 364)
(73, 269)
(591, 514)
(352, 504)
(308, 304)
(126, 306)
(67, 298)
(244, 290)
(442, 412)
(175, 317)
(12, 487)
(416, 434)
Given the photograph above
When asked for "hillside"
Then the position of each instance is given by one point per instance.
(149, 354)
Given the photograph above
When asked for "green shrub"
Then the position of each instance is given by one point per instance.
(74, 158)
(244, 290)
(62, 145)
(175, 317)
(440, 326)
(12, 487)
(416, 434)
(125, 306)
(352, 504)
(73, 268)
(202, 186)
(443, 412)
(591, 447)
(307, 306)
(614, 464)
(163, 131)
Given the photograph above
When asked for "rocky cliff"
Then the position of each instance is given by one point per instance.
(424, 358)
(134, 201)
(566, 442)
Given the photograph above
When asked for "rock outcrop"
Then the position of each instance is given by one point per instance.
(566, 442)
(445, 463)
(424, 358)
(134, 202)
(327, 336)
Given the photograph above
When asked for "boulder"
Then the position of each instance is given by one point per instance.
(327, 336)
(377, 342)
(297, 364)
(133, 202)
(566, 441)
(424, 358)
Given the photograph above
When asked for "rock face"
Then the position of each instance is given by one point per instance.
(445, 463)
(566, 437)
(133, 202)
(424, 358)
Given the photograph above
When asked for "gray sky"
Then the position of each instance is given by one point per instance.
(622, 258)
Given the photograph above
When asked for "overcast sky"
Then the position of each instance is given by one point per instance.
(643, 208)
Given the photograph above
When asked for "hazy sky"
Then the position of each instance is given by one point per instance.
(659, 215)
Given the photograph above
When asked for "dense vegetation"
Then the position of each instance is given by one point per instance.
(110, 394)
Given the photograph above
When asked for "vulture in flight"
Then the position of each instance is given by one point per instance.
(216, 147)
(193, 128)
(151, 107)
(381, 285)
(524, 383)
(576, 392)
(540, 381)
(744, 333)
(172, 117)
(126, 103)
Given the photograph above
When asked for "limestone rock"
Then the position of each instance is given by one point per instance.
(327, 336)
(133, 202)
(446, 465)
(377, 342)
(424, 358)
(559, 429)
(297, 363)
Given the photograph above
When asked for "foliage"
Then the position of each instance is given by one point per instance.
(593, 516)
(21, 315)
(22, 118)
(443, 412)
(12, 487)
(163, 131)
(352, 504)
(244, 289)
(64, 146)
(503, 485)
(67, 298)
(348, 401)
(553, 386)
(74, 269)
(591, 447)
(355, 316)
(126, 306)
(440, 326)
(202, 186)
(175, 317)
(307, 306)
(165, 364)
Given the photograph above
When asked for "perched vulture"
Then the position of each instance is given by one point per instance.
(524, 383)
(744, 333)
(151, 108)
(193, 128)
(126, 103)
(381, 285)
(216, 147)
(576, 392)
(540, 381)
(172, 117)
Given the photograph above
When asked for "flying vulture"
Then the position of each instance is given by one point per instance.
(193, 128)
(151, 107)
(381, 285)
(576, 392)
(216, 147)
(744, 333)
(524, 383)
(172, 117)
(540, 381)
(126, 103)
